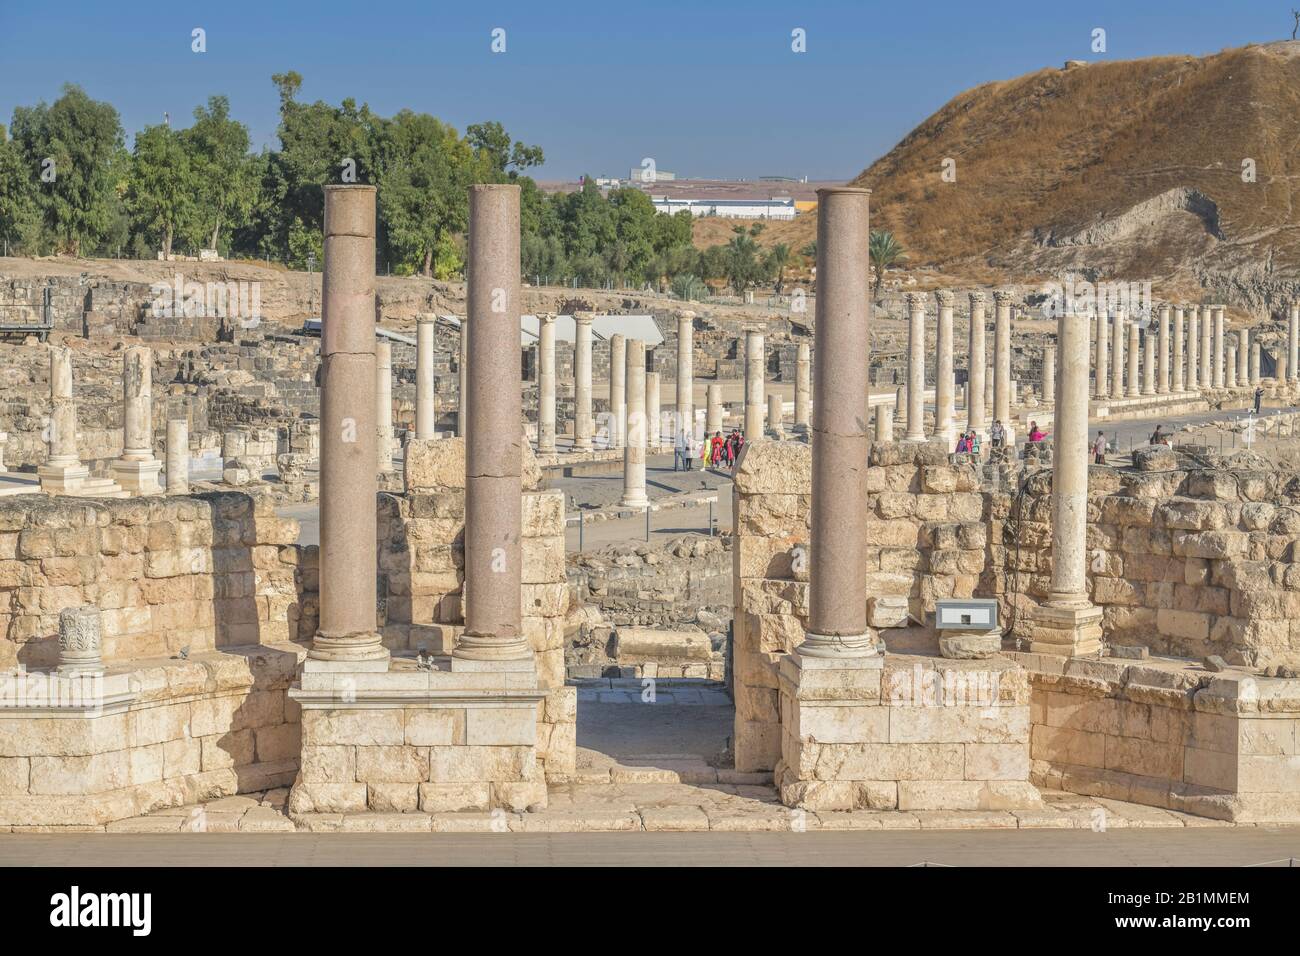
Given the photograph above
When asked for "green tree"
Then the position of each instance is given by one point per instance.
(19, 218)
(161, 185)
(223, 171)
(503, 157)
(884, 251)
(73, 151)
(777, 260)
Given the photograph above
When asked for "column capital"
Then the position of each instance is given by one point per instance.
(684, 315)
(977, 298)
(546, 318)
(584, 318)
(915, 300)
(944, 298)
(1002, 296)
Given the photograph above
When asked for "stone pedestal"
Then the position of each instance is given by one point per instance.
(970, 645)
(137, 470)
(1068, 631)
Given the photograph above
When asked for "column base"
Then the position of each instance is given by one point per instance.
(634, 501)
(138, 478)
(483, 647)
(1066, 631)
(838, 646)
(62, 479)
(351, 650)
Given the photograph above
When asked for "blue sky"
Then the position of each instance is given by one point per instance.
(706, 88)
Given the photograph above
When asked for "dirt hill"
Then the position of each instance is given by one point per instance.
(1117, 171)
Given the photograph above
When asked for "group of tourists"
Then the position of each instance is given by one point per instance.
(716, 452)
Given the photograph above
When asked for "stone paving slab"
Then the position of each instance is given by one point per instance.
(654, 805)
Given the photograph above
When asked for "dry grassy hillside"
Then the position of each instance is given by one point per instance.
(1124, 170)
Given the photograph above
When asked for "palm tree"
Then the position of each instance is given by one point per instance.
(884, 251)
(777, 260)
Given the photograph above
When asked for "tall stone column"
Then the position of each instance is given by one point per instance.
(1134, 350)
(1102, 372)
(1207, 347)
(754, 373)
(137, 470)
(944, 412)
(1162, 357)
(462, 414)
(1119, 335)
(713, 416)
(1002, 358)
(1243, 357)
(178, 456)
(426, 396)
(349, 486)
(1220, 378)
(494, 449)
(635, 440)
(653, 425)
(1179, 383)
(583, 421)
(915, 367)
(1230, 365)
(1255, 376)
(976, 360)
(685, 373)
(1149, 361)
(1194, 380)
(384, 404)
(837, 605)
(546, 383)
(63, 472)
(1294, 342)
(1068, 623)
(1049, 373)
(617, 390)
(802, 389)
(775, 412)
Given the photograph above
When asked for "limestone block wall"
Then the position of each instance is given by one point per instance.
(148, 735)
(196, 573)
(422, 569)
(1223, 746)
(927, 540)
(1185, 561)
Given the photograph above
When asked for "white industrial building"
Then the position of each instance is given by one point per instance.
(780, 208)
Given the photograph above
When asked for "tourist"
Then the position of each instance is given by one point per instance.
(716, 444)
(997, 433)
(1099, 449)
(1158, 437)
(1259, 398)
(1036, 434)
(681, 452)
(963, 444)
